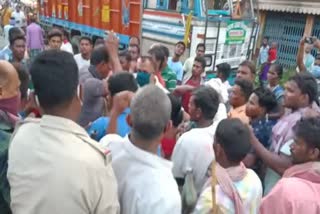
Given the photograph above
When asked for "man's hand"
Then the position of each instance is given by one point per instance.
(310, 113)
(300, 55)
(302, 41)
(112, 45)
(253, 138)
(182, 89)
(121, 101)
(105, 85)
(31, 105)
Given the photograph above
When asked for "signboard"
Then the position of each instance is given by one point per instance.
(236, 32)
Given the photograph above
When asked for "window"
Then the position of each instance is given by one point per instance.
(173, 4)
(170, 5)
(219, 4)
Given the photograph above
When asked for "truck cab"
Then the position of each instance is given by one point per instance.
(227, 27)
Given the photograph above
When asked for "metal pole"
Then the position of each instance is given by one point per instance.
(252, 9)
(255, 38)
(141, 18)
(206, 25)
(249, 48)
(217, 43)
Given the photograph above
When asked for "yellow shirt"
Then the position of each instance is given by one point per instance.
(240, 113)
(6, 16)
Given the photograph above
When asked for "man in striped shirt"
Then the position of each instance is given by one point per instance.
(168, 75)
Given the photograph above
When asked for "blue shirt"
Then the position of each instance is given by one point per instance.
(98, 128)
(278, 91)
(177, 68)
(262, 129)
(6, 54)
(308, 62)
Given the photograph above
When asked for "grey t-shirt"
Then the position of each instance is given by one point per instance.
(94, 93)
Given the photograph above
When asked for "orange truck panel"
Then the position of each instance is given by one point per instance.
(94, 16)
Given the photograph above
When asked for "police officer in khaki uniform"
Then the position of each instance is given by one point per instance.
(54, 166)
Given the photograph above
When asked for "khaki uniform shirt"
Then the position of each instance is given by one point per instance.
(55, 168)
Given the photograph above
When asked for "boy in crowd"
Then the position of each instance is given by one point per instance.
(188, 64)
(238, 189)
(260, 104)
(55, 39)
(99, 128)
(190, 152)
(83, 58)
(298, 190)
(239, 97)
(174, 62)
(195, 81)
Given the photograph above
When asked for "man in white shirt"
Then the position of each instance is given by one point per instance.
(145, 181)
(83, 58)
(19, 17)
(223, 73)
(64, 170)
(220, 87)
(217, 85)
(264, 51)
(188, 64)
(194, 148)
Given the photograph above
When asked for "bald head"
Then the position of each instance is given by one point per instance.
(9, 80)
(150, 113)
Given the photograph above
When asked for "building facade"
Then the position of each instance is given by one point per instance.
(285, 22)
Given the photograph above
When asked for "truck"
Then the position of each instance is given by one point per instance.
(227, 27)
(92, 17)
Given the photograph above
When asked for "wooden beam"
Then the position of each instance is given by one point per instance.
(262, 23)
(309, 25)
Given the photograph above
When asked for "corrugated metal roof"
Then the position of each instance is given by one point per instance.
(291, 6)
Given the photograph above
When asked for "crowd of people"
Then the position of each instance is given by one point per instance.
(104, 131)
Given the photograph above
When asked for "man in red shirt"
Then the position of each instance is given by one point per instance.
(192, 83)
